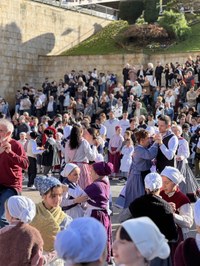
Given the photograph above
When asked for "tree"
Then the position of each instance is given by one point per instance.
(151, 10)
(131, 10)
(175, 24)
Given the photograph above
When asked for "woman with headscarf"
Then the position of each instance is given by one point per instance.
(138, 241)
(73, 200)
(188, 251)
(182, 210)
(49, 218)
(151, 204)
(82, 243)
(20, 243)
(140, 167)
(79, 151)
(158, 210)
(98, 202)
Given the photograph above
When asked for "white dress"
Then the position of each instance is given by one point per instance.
(126, 160)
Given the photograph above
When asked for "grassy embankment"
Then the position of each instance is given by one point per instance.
(104, 42)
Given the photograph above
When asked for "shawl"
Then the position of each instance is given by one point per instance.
(48, 224)
(19, 245)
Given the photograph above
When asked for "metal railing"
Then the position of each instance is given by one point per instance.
(91, 9)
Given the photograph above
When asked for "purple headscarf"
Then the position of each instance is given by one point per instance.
(102, 168)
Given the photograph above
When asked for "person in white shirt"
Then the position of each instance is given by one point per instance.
(124, 123)
(183, 152)
(110, 125)
(32, 151)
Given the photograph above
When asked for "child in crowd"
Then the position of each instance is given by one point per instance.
(127, 152)
(22, 138)
(73, 199)
(98, 202)
(114, 148)
(20, 243)
(82, 243)
(138, 241)
(50, 218)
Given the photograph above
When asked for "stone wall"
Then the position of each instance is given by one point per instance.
(29, 29)
(55, 67)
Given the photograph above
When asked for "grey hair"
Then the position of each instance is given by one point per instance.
(6, 123)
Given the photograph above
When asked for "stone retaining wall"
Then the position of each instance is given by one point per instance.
(55, 67)
(29, 29)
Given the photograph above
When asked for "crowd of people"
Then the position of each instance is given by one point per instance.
(85, 131)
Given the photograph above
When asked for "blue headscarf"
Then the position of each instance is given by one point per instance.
(43, 184)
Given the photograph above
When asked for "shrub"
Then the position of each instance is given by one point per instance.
(130, 10)
(151, 11)
(175, 24)
(145, 33)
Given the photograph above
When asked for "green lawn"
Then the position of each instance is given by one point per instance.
(101, 42)
(104, 43)
(192, 44)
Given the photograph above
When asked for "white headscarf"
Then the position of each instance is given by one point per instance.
(69, 167)
(153, 181)
(148, 239)
(84, 240)
(173, 174)
(22, 208)
(197, 212)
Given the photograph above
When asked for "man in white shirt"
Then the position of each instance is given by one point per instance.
(124, 123)
(110, 125)
(168, 144)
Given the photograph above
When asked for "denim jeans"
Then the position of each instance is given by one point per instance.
(5, 194)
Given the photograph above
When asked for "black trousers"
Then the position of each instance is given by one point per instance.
(32, 170)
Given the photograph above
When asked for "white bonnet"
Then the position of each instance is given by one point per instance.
(83, 241)
(69, 167)
(22, 208)
(173, 174)
(153, 181)
(148, 239)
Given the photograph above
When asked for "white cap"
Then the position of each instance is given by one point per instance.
(84, 240)
(173, 174)
(22, 208)
(153, 181)
(69, 167)
(148, 239)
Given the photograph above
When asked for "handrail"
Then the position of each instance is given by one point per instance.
(90, 9)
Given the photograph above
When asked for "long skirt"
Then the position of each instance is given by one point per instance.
(190, 185)
(115, 160)
(104, 218)
(85, 175)
(134, 188)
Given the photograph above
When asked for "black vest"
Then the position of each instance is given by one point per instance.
(162, 161)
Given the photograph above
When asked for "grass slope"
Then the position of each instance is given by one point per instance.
(192, 44)
(100, 43)
(103, 43)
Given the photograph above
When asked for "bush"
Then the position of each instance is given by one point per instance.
(151, 12)
(145, 33)
(130, 10)
(175, 24)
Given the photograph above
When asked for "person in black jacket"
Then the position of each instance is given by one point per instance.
(154, 207)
